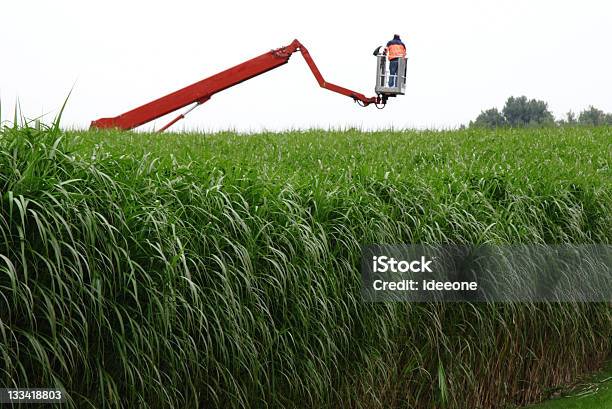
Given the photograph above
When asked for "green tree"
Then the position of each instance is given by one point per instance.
(523, 112)
(491, 118)
(593, 117)
(520, 112)
(569, 120)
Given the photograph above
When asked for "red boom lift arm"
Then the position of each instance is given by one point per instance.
(203, 90)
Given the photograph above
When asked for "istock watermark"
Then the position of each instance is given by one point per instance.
(383, 264)
(560, 273)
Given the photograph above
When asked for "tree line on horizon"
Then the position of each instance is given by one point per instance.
(523, 112)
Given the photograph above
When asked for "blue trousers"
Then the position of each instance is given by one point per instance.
(393, 72)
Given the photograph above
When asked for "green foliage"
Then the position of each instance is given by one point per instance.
(491, 118)
(594, 392)
(523, 112)
(594, 117)
(517, 112)
(569, 120)
(186, 271)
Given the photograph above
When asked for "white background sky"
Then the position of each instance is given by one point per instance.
(464, 56)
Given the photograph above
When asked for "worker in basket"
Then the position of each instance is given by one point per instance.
(395, 50)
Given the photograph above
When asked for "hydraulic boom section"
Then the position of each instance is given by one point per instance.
(203, 90)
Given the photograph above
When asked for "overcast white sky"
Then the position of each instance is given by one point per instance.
(464, 56)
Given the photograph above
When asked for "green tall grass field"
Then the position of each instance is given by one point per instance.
(201, 271)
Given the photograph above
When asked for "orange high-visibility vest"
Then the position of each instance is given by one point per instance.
(396, 51)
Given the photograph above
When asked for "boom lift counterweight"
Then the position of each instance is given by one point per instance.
(202, 91)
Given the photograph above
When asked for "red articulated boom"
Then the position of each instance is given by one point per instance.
(203, 90)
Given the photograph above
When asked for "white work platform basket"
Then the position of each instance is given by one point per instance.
(387, 84)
